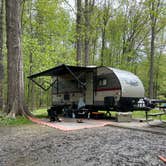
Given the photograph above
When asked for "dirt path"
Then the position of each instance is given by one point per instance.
(35, 145)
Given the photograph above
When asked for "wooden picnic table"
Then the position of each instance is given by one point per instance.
(162, 111)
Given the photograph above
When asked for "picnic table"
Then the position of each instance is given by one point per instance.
(160, 113)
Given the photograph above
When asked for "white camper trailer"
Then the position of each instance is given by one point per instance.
(101, 88)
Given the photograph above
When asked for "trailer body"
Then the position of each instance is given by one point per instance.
(101, 88)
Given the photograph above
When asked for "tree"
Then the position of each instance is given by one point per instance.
(88, 11)
(106, 17)
(47, 40)
(86, 15)
(113, 33)
(78, 32)
(15, 94)
(1, 55)
(30, 84)
(154, 11)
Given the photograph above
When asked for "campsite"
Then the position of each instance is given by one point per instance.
(82, 82)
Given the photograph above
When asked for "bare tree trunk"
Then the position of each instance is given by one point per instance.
(103, 46)
(15, 94)
(1, 55)
(78, 29)
(154, 7)
(89, 6)
(106, 16)
(94, 43)
(30, 84)
(151, 72)
(86, 33)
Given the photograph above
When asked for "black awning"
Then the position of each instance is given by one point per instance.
(60, 70)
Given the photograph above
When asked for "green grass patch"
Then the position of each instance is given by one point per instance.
(40, 113)
(20, 120)
(140, 114)
(6, 121)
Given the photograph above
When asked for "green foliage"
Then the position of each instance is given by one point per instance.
(49, 37)
(48, 40)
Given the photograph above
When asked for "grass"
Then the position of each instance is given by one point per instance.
(42, 113)
(6, 121)
(140, 114)
(20, 120)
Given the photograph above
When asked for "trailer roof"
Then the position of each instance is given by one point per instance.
(61, 69)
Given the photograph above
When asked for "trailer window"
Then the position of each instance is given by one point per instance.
(103, 82)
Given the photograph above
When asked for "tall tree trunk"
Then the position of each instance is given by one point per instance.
(103, 46)
(78, 30)
(86, 33)
(1, 55)
(106, 16)
(154, 9)
(30, 84)
(151, 72)
(94, 43)
(15, 94)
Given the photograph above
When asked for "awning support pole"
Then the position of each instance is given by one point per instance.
(45, 89)
(79, 81)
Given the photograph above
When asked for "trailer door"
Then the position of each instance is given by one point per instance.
(89, 94)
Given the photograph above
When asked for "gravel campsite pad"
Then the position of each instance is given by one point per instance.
(37, 145)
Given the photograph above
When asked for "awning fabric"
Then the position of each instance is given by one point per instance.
(62, 69)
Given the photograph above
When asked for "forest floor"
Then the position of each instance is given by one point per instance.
(37, 145)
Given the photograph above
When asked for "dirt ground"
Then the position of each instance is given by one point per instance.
(36, 145)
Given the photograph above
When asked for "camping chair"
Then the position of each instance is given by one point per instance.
(81, 111)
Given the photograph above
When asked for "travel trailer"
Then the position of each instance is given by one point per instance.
(99, 88)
